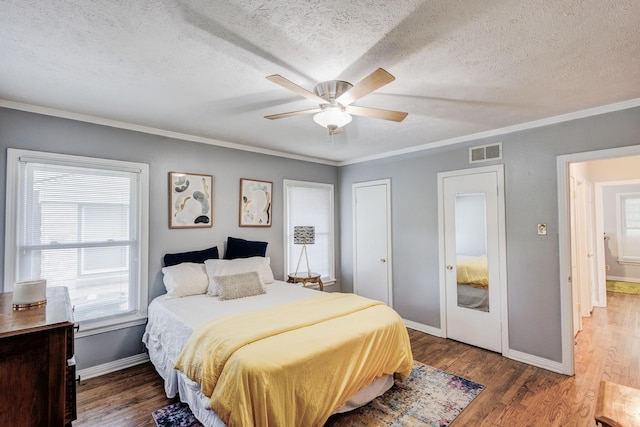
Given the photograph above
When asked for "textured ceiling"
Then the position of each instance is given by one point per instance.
(199, 67)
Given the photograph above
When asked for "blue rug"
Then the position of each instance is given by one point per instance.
(175, 415)
(429, 397)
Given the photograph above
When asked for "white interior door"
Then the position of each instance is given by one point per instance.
(472, 230)
(372, 237)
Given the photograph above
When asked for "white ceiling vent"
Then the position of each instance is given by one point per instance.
(485, 153)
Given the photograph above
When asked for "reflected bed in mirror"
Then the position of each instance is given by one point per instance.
(473, 282)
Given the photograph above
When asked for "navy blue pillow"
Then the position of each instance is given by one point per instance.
(240, 248)
(193, 256)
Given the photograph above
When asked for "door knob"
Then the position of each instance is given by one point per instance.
(449, 267)
(383, 260)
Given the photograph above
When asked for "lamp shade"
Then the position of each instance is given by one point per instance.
(304, 234)
(332, 117)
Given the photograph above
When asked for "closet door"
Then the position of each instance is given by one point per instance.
(472, 239)
(372, 240)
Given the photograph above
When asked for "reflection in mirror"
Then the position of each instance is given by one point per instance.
(472, 270)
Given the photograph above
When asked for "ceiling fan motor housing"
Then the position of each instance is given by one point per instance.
(332, 89)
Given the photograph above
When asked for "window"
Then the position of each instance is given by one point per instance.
(310, 204)
(81, 223)
(629, 228)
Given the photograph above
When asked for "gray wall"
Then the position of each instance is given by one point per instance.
(531, 198)
(610, 224)
(43, 133)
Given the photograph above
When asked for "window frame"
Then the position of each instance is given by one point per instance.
(88, 327)
(289, 183)
(621, 221)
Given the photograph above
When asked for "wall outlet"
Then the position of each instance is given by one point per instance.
(606, 267)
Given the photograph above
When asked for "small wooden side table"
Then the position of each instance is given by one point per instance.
(617, 405)
(304, 278)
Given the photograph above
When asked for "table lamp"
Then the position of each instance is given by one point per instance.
(304, 235)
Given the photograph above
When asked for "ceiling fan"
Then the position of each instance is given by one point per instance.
(335, 98)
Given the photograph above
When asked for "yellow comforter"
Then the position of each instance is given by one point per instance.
(294, 364)
(473, 271)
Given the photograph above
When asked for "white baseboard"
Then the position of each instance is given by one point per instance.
(423, 328)
(519, 356)
(116, 365)
(624, 279)
(539, 362)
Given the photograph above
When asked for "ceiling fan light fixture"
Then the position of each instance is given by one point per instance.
(332, 118)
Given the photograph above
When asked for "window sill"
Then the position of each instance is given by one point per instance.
(628, 262)
(88, 328)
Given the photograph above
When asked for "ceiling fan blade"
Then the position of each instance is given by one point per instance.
(376, 113)
(288, 84)
(292, 113)
(373, 81)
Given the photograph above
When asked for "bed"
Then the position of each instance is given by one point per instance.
(336, 364)
(473, 282)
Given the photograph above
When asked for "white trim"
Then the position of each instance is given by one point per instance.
(99, 327)
(562, 173)
(540, 362)
(387, 183)
(502, 247)
(423, 328)
(624, 279)
(600, 285)
(286, 183)
(153, 131)
(624, 105)
(116, 365)
(11, 223)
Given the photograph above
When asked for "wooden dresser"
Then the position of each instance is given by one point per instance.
(37, 378)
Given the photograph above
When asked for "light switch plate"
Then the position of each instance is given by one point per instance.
(542, 229)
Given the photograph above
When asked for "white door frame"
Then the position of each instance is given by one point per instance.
(502, 244)
(356, 185)
(564, 235)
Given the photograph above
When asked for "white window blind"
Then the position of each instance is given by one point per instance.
(79, 225)
(310, 204)
(629, 228)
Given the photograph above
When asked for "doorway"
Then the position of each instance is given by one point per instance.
(372, 240)
(600, 171)
(472, 257)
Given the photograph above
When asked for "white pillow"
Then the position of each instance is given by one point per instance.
(229, 267)
(187, 278)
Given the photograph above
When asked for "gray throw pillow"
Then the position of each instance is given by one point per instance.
(238, 285)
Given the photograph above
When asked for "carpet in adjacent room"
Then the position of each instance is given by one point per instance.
(623, 287)
(429, 397)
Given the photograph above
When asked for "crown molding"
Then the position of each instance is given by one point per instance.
(624, 105)
(153, 131)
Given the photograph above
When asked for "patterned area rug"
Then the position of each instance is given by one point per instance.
(623, 287)
(429, 397)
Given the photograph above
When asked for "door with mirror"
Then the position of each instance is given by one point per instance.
(473, 237)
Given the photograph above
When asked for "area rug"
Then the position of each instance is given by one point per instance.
(623, 287)
(429, 397)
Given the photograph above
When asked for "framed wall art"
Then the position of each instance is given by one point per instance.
(255, 203)
(190, 200)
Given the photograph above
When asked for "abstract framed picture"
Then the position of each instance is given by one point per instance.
(255, 203)
(190, 200)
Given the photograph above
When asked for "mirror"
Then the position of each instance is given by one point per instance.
(472, 269)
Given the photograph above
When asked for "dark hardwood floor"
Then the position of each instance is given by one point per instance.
(516, 394)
